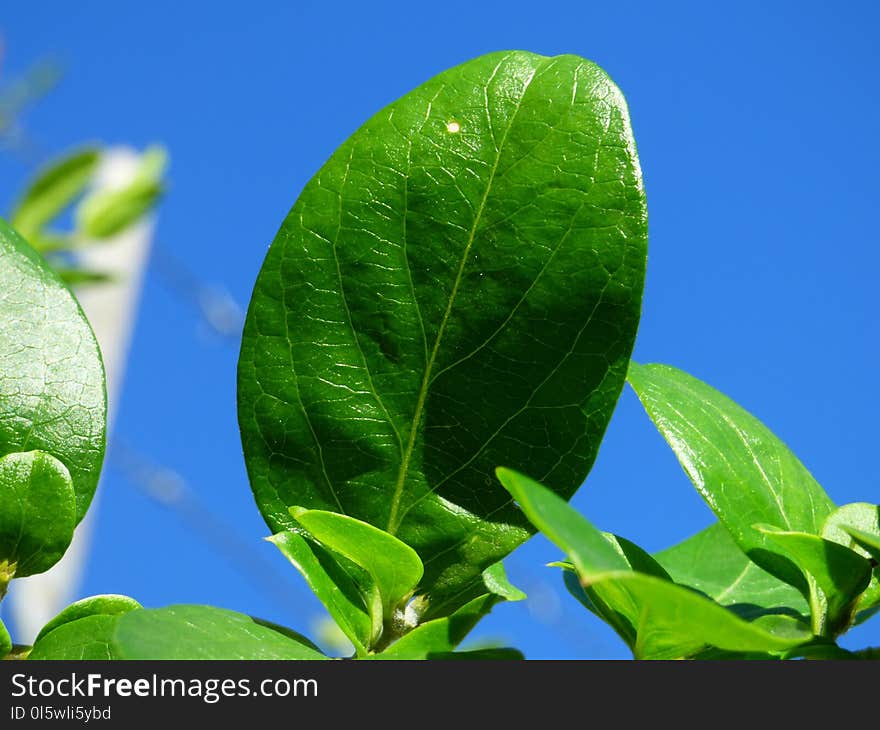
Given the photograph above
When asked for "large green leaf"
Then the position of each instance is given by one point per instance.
(712, 563)
(52, 394)
(37, 513)
(174, 632)
(53, 190)
(743, 471)
(657, 618)
(839, 573)
(458, 287)
(334, 587)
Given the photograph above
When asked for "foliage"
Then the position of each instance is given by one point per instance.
(458, 287)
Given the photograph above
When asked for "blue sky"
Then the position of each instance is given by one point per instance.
(756, 128)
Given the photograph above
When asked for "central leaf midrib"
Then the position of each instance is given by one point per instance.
(393, 520)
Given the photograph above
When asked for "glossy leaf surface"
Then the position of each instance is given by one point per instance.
(52, 396)
(458, 287)
(742, 470)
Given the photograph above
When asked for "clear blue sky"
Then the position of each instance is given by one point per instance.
(757, 132)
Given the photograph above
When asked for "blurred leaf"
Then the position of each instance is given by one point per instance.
(107, 605)
(37, 512)
(78, 277)
(5, 640)
(53, 189)
(108, 212)
(742, 470)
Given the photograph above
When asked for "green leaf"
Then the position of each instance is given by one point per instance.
(859, 516)
(106, 605)
(458, 287)
(37, 513)
(393, 565)
(744, 472)
(79, 277)
(91, 637)
(671, 621)
(840, 574)
(589, 549)
(867, 541)
(335, 588)
(174, 632)
(52, 394)
(659, 619)
(441, 635)
(107, 212)
(5, 640)
(54, 188)
(711, 563)
(495, 579)
(500, 653)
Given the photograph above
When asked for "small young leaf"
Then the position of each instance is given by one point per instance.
(495, 580)
(390, 358)
(37, 512)
(441, 635)
(53, 190)
(744, 472)
(174, 632)
(712, 563)
(859, 515)
(52, 395)
(107, 605)
(393, 565)
(335, 588)
(840, 573)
